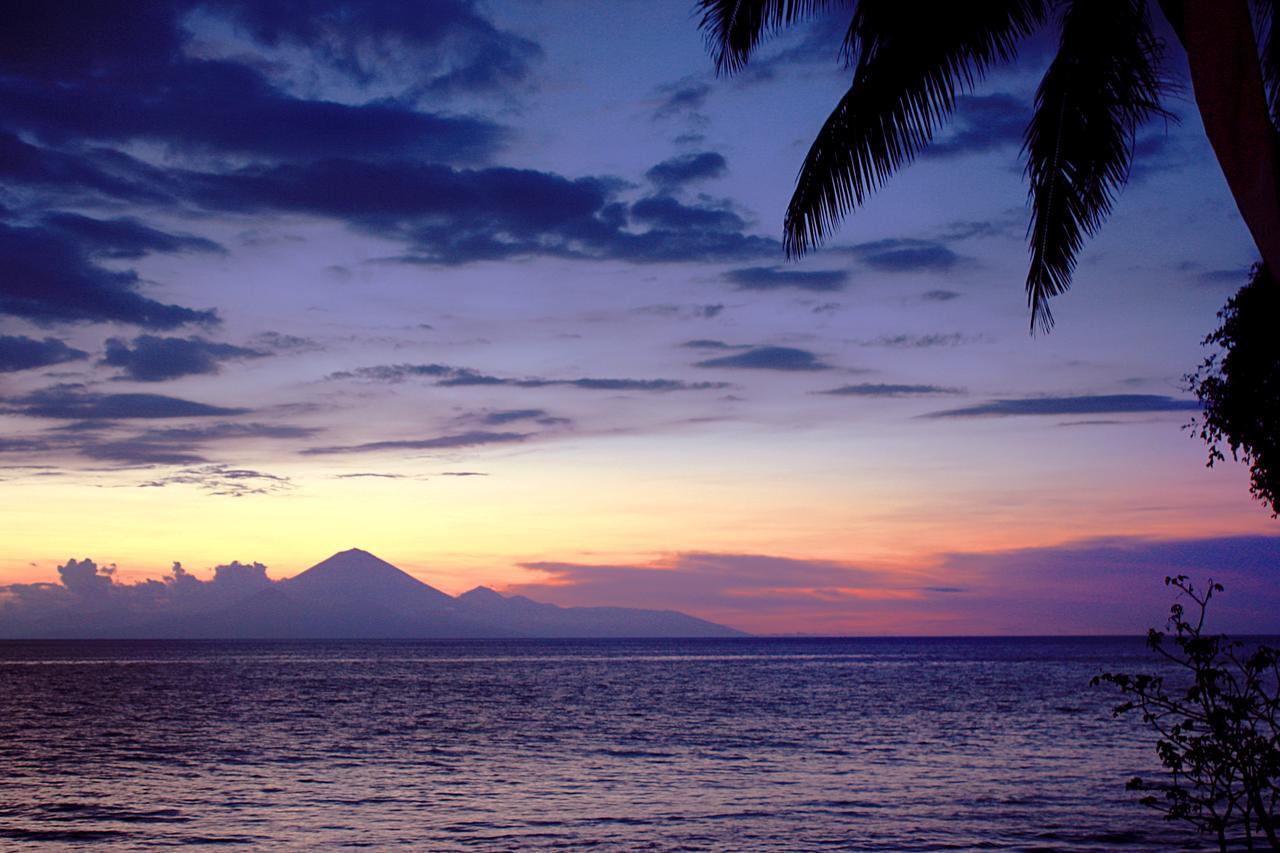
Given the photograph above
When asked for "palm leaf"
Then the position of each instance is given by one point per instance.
(734, 28)
(908, 67)
(1099, 88)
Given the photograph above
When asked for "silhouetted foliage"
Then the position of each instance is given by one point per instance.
(1240, 386)
(1218, 726)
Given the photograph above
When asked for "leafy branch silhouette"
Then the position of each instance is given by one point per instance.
(1218, 726)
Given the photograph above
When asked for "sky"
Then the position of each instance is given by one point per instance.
(496, 291)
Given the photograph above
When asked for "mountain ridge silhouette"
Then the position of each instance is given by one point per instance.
(350, 595)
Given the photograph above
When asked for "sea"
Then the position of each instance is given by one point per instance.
(711, 744)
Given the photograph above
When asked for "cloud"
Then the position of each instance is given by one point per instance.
(85, 578)
(473, 438)
(154, 92)
(224, 480)
(687, 168)
(123, 238)
(73, 403)
(769, 358)
(510, 416)
(707, 343)
(940, 295)
(868, 389)
(22, 353)
(774, 278)
(454, 50)
(685, 98)
(906, 255)
(982, 123)
(154, 359)
(46, 277)
(107, 441)
(455, 377)
(1095, 404)
(1233, 277)
(1088, 587)
(697, 312)
(667, 212)
(920, 341)
(396, 373)
(280, 342)
(451, 216)
(70, 177)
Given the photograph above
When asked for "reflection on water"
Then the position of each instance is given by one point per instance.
(704, 744)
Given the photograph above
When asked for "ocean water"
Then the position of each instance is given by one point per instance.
(744, 744)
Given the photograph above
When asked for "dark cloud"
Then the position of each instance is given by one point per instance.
(71, 177)
(683, 98)
(74, 403)
(85, 578)
(23, 353)
(940, 295)
(359, 475)
(667, 212)
(396, 373)
(1230, 277)
(906, 255)
(921, 341)
(870, 389)
(454, 377)
(687, 168)
(775, 278)
(474, 438)
(123, 238)
(88, 599)
(46, 277)
(707, 343)
(510, 416)
(137, 452)
(700, 312)
(463, 474)
(982, 123)
(280, 342)
(453, 49)
(227, 431)
(769, 358)
(127, 79)
(224, 480)
(455, 216)
(107, 441)
(1097, 404)
(155, 359)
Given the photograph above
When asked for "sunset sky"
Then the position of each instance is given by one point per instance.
(496, 292)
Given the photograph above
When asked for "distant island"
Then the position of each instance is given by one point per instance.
(351, 595)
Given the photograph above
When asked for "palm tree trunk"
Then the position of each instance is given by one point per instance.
(1222, 51)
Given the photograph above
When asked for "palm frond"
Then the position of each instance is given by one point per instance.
(1269, 53)
(1100, 87)
(908, 66)
(734, 28)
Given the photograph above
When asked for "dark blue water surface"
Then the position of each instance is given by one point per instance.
(639, 745)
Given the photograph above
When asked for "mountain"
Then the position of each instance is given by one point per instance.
(357, 577)
(351, 595)
(534, 619)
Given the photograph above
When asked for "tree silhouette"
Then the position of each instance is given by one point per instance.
(909, 61)
(1239, 387)
(1218, 721)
